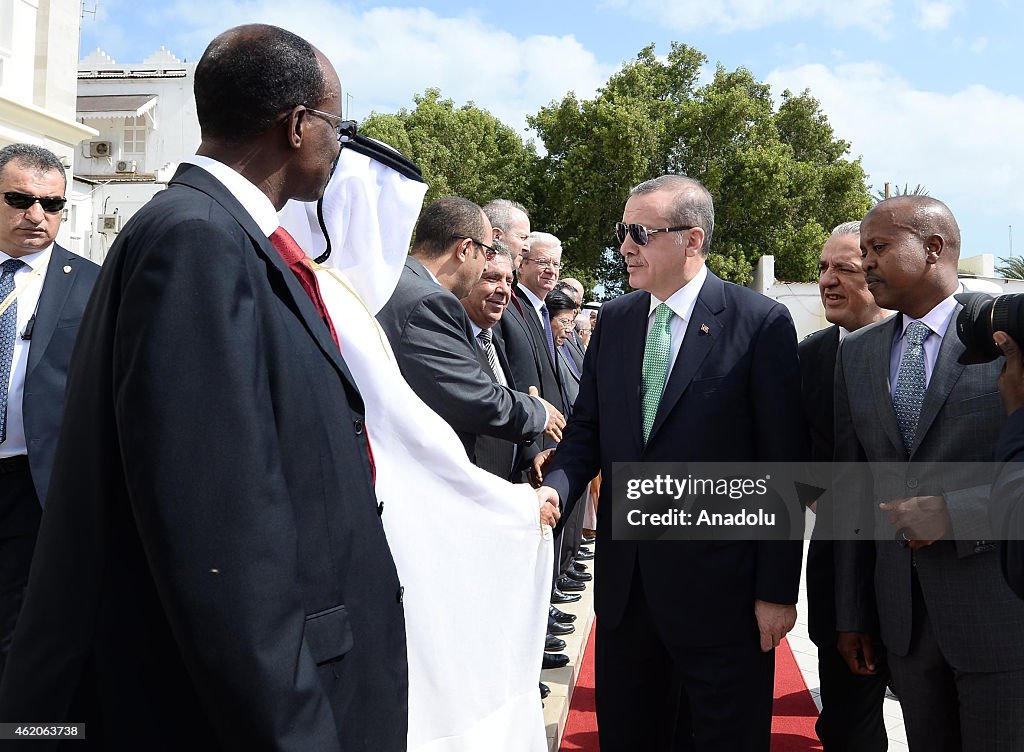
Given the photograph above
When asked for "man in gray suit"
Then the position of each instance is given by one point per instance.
(43, 291)
(433, 339)
(952, 628)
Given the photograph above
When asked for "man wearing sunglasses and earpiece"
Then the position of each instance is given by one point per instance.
(688, 368)
(43, 291)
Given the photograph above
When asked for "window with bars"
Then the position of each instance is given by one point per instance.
(134, 135)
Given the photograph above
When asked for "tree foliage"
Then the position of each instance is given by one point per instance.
(463, 151)
(917, 190)
(1011, 268)
(780, 177)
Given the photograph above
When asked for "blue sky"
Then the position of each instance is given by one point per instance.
(926, 91)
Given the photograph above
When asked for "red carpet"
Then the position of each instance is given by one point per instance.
(792, 724)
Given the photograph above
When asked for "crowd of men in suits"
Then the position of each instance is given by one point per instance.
(163, 620)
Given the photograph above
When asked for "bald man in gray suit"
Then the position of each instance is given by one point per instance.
(952, 628)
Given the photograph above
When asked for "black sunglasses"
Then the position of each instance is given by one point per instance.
(489, 251)
(641, 234)
(50, 204)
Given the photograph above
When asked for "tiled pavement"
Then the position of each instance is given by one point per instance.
(556, 707)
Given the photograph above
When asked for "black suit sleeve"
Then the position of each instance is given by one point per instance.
(441, 366)
(219, 532)
(1007, 500)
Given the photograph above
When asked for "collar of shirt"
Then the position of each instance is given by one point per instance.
(534, 300)
(33, 260)
(937, 319)
(684, 299)
(476, 329)
(252, 199)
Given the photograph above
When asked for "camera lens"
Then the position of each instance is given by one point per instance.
(982, 316)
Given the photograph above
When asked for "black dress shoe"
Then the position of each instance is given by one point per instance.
(557, 596)
(569, 585)
(572, 574)
(560, 616)
(553, 644)
(545, 690)
(579, 566)
(584, 555)
(554, 660)
(557, 628)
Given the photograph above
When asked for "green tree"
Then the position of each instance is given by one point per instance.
(463, 151)
(780, 177)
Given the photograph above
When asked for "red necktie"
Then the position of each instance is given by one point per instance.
(296, 260)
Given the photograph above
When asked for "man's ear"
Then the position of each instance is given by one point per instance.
(695, 242)
(934, 245)
(296, 123)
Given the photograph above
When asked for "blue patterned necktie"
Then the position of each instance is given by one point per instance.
(546, 318)
(911, 384)
(657, 353)
(8, 332)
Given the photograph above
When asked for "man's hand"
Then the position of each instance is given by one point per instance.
(920, 520)
(548, 499)
(556, 421)
(1011, 380)
(538, 465)
(858, 651)
(774, 620)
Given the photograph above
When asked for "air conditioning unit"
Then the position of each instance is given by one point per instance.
(126, 165)
(109, 223)
(100, 148)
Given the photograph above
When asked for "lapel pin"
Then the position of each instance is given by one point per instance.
(704, 329)
(67, 268)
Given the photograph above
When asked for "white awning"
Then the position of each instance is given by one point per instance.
(115, 106)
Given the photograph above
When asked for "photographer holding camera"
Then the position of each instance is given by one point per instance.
(906, 402)
(1007, 507)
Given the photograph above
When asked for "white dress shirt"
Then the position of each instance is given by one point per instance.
(681, 302)
(28, 301)
(252, 199)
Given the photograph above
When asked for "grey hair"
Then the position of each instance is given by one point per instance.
(32, 156)
(692, 204)
(501, 249)
(544, 238)
(847, 228)
(499, 211)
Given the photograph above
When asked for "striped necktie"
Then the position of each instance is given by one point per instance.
(8, 334)
(657, 353)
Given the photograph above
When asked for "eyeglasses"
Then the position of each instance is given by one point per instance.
(564, 321)
(641, 234)
(489, 251)
(50, 204)
(544, 263)
(346, 129)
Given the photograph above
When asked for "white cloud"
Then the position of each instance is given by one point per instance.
(964, 146)
(744, 15)
(935, 15)
(385, 55)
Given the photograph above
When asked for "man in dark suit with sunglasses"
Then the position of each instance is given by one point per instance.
(45, 288)
(212, 570)
(687, 368)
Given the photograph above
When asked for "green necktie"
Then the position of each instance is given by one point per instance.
(657, 353)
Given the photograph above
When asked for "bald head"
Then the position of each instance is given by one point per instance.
(910, 246)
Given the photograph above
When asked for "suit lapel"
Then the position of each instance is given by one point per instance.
(631, 351)
(702, 331)
(944, 376)
(56, 287)
(295, 296)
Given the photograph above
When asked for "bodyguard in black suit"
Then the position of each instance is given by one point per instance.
(45, 289)
(685, 630)
(851, 706)
(212, 571)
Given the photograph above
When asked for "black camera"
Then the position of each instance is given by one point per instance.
(982, 316)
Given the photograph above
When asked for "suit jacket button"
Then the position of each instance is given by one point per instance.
(357, 424)
(912, 483)
(400, 594)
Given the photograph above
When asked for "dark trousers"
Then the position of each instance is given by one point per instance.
(661, 696)
(851, 706)
(20, 514)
